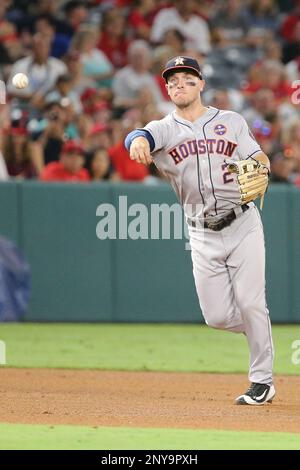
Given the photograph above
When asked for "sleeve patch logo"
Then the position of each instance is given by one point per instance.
(220, 129)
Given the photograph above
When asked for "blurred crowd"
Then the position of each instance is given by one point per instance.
(94, 74)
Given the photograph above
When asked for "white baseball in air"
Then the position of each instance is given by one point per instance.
(20, 80)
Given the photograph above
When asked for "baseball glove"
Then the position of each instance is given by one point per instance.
(251, 181)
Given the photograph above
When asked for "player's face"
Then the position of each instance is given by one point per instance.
(184, 88)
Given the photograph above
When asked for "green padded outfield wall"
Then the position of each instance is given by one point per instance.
(153, 278)
(294, 254)
(78, 277)
(71, 270)
(276, 217)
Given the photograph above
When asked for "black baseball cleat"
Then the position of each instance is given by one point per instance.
(257, 394)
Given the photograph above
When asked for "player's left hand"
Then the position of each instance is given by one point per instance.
(252, 179)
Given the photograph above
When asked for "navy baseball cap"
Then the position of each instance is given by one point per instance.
(181, 63)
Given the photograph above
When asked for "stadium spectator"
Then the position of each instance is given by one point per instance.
(181, 16)
(290, 23)
(89, 99)
(228, 98)
(262, 14)
(5, 59)
(230, 62)
(160, 56)
(127, 169)
(175, 41)
(63, 91)
(69, 168)
(292, 145)
(270, 75)
(113, 41)
(46, 26)
(272, 50)
(133, 82)
(10, 45)
(8, 34)
(98, 137)
(282, 169)
(230, 23)
(141, 17)
(30, 11)
(285, 161)
(100, 167)
(17, 154)
(291, 50)
(42, 71)
(109, 79)
(76, 13)
(263, 106)
(80, 83)
(292, 69)
(95, 63)
(45, 7)
(47, 135)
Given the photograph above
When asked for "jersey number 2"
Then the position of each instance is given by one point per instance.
(227, 178)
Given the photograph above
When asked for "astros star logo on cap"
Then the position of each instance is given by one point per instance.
(179, 61)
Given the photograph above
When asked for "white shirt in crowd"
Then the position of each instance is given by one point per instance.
(128, 84)
(42, 78)
(195, 30)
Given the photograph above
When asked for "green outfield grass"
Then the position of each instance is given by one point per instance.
(36, 437)
(157, 347)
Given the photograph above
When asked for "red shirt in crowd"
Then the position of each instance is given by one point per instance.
(136, 20)
(127, 169)
(55, 171)
(116, 51)
(283, 90)
(289, 26)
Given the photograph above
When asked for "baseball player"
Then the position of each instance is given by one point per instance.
(193, 147)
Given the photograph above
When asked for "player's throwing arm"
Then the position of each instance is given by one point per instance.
(140, 150)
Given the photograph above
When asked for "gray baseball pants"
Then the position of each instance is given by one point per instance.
(229, 273)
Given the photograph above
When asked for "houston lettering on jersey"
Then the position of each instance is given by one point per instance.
(220, 146)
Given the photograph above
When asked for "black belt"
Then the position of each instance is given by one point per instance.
(217, 225)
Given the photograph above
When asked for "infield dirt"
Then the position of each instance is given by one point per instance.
(143, 399)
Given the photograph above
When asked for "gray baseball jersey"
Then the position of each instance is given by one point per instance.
(192, 157)
(228, 265)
